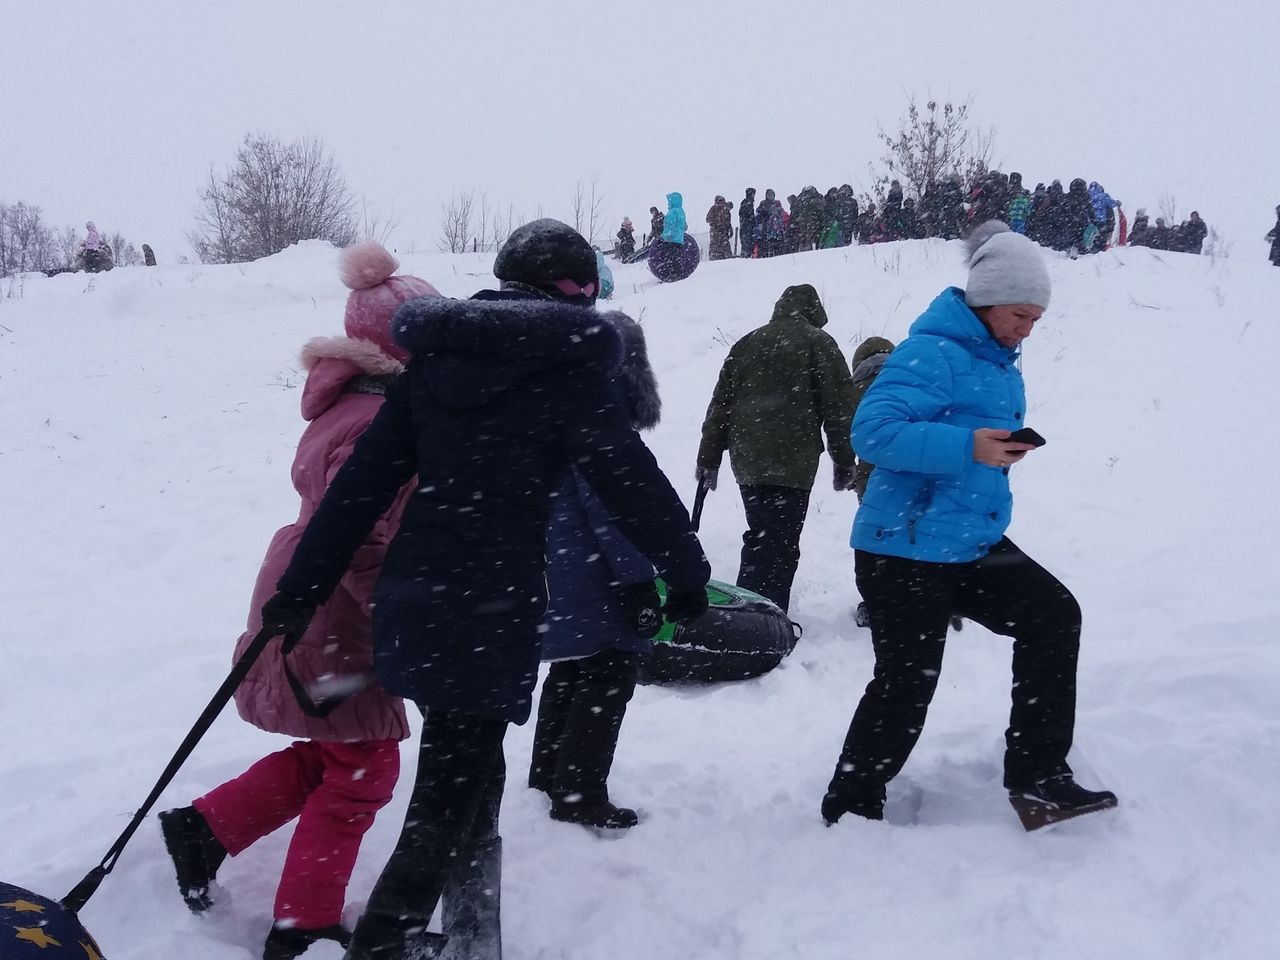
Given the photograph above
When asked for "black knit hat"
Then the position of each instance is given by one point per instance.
(553, 257)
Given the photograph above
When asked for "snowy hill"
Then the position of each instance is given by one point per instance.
(149, 421)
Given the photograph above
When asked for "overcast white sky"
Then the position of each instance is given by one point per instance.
(115, 111)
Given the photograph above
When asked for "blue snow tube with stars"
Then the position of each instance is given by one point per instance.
(33, 926)
(670, 262)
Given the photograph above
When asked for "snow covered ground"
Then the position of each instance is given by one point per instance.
(149, 421)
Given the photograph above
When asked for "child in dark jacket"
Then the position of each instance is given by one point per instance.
(344, 765)
(603, 609)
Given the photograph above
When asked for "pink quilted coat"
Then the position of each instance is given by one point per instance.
(337, 649)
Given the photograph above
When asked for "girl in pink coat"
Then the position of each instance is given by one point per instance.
(344, 765)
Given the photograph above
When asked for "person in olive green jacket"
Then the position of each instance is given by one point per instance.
(781, 386)
(867, 361)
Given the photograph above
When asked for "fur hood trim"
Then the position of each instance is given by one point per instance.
(506, 325)
(634, 375)
(365, 354)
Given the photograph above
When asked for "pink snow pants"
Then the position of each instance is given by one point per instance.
(335, 790)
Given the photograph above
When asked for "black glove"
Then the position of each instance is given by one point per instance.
(707, 476)
(287, 617)
(685, 604)
(642, 607)
(842, 477)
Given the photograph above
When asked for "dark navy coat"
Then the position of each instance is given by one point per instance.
(589, 562)
(501, 395)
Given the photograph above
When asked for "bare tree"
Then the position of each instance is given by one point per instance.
(26, 241)
(455, 222)
(375, 226)
(124, 253)
(932, 144)
(273, 195)
(1168, 205)
(67, 241)
(588, 204)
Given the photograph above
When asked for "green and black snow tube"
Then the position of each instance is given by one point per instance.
(742, 635)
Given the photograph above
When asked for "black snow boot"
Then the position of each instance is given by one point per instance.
(604, 815)
(853, 795)
(471, 906)
(394, 938)
(196, 854)
(288, 943)
(1057, 798)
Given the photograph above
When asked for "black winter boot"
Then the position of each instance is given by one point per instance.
(1057, 798)
(604, 815)
(853, 795)
(472, 903)
(603, 686)
(288, 943)
(196, 854)
(394, 938)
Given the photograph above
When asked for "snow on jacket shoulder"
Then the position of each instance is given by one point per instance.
(341, 396)
(928, 499)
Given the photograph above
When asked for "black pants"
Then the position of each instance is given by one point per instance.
(449, 846)
(909, 603)
(771, 543)
(579, 717)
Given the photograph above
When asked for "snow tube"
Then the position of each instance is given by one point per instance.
(670, 262)
(34, 926)
(742, 635)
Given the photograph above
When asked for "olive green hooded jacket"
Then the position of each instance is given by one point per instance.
(866, 363)
(781, 386)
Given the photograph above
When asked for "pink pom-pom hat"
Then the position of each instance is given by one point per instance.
(368, 269)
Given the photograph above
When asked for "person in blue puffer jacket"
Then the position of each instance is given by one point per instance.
(674, 226)
(929, 538)
(603, 611)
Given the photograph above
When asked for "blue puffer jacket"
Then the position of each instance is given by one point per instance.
(927, 498)
(674, 226)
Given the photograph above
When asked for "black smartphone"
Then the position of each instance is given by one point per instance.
(1026, 435)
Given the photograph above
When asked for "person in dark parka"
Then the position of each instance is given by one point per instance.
(720, 220)
(1274, 237)
(501, 394)
(1193, 233)
(1141, 225)
(657, 221)
(747, 223)
(1075, 216)
(781, 387)
(602, 614)
(846, 214)
(626, 240)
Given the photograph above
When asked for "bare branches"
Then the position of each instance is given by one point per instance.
(588, 208)
(273, 196)
(931, 144)
(26, 241)
(455, 222)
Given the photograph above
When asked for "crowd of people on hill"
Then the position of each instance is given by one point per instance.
(1080, 219)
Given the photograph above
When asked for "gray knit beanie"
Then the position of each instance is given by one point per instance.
(1004, 267)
